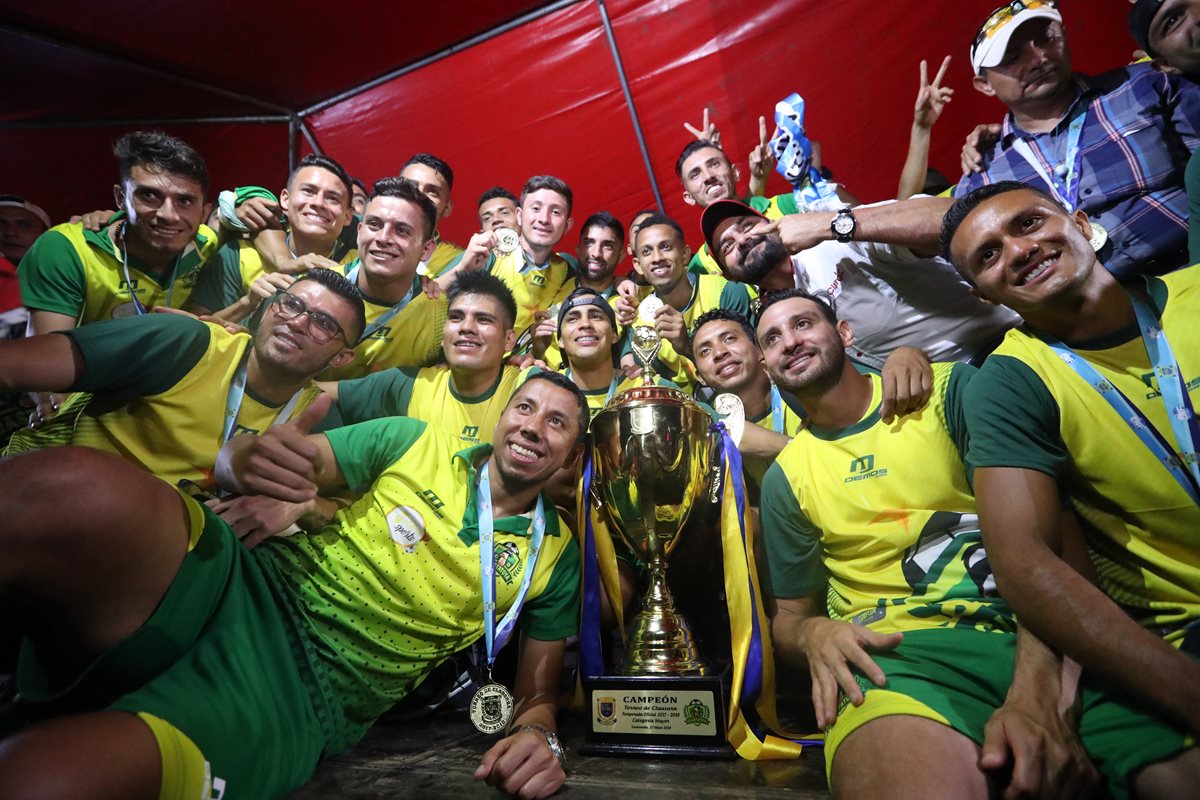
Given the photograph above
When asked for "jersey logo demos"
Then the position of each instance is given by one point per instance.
(863, 468)
(406, 527)
(508, 561)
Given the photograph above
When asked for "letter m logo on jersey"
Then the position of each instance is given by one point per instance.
(864, 464)
(471, 431)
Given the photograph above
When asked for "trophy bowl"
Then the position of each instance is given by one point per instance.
(652, 453)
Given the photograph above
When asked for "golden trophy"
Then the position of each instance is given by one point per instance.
(651, 453)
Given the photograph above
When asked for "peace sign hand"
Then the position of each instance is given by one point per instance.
(932, 97)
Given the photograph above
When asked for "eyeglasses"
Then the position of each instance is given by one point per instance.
(1004, 15)
(322, 327)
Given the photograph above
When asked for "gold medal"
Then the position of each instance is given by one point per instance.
(1099, 236)
(491, 708)
(507, 240)
(648, 308)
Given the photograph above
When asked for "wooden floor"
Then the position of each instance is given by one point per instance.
(436, 757)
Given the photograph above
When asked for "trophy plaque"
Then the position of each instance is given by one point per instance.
(652, 452)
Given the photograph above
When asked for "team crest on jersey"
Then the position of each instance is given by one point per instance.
(383, 334)
(406, 527)
(189, 281)
(508, 561)
(537, 279)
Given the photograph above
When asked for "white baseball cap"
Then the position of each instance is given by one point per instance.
(991, 40)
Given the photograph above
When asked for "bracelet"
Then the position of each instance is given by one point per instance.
(551, 739)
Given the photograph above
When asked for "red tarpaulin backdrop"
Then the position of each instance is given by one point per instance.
(544, 97)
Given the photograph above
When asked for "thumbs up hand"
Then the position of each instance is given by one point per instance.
(283, 462)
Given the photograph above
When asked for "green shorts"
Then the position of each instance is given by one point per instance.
(959, 676)
(221, 661)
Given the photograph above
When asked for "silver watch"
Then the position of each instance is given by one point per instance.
(551, 739)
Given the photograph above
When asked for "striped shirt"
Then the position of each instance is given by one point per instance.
(1140, 129)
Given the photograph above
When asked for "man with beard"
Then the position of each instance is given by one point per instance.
(708, 176)
(1115, 145)
(881, 586)
(1089, 402)
(316, 201)
(465, 395)
(207, 669)
(168, 390)
(877, 264)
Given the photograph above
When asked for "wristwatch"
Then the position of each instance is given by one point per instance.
(551, 739)
(843, 225)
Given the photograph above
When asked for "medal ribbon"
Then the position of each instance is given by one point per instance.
(495, 636)
(388, 315)
(1065, 190)
(752, 719)
(1184, 467)
(137, 304)
(237, 392)
(777, 416)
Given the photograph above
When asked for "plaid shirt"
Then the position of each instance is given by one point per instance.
(1141, 128)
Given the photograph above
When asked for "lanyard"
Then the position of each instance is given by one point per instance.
(496, 637)
(388, 315)
(137, 304)
(237, 391)
(1173, 390)
(777, 419)
(1065, 190)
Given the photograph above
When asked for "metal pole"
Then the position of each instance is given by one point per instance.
(312, 140)
(90, 123)
(449, 51)
(637, 126)
(293, 142)
(162, 73)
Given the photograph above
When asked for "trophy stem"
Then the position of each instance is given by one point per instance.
(661, 643)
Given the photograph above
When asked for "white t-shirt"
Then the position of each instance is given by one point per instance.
(893, 298)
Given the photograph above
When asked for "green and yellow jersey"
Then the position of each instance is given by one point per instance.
(393, 585)
(756, 468)
(160, 385)
(703, 263)
(444, 255)
(228, 277)
(427, 394)
(79, 273)
(1030, 410)
(881, 519)
(412, 338)
(708, 292)
(535, 287)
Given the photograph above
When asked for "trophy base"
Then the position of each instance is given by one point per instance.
(650, 716)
